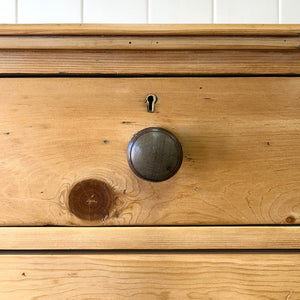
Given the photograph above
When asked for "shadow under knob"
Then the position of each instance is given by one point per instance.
(154, 154)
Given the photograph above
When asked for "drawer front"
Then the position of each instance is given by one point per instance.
(150, 276)
(240, 141)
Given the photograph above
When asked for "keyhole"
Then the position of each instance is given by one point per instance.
(151, 100)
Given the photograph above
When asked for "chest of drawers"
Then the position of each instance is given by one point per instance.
(179, 144)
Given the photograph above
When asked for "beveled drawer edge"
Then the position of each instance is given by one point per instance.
(150, 238)
(150, 42)
(150, 29)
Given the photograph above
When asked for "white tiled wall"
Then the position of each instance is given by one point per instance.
(244, 11)
(180, 11)
(7, 11)
(115, 11)
(150, 11)
(45, 11)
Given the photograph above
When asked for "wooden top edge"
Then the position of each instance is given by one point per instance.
(151, 29)
(150, 238)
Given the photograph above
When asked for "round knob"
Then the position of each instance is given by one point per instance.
(154, 154)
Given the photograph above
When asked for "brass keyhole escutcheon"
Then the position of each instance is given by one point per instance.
(154, 154)
(151, 100)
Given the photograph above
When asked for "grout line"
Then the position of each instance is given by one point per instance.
(279, 12)
(16, 11)
(81, 16)
(213, 11)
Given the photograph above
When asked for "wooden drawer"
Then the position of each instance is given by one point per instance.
(150, 276)
(240, 140)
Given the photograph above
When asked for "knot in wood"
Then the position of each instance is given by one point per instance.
(91, 199)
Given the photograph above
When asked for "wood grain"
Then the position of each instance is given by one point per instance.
(141, 62)
(149, 238)
(240, 139)
(260, 276)
(151, 29)
(150, 43)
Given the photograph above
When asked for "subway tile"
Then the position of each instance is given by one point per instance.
(246, 11)
(115, 11)
(7, 11)
(180, 11)
(49, 11)
(289, 11)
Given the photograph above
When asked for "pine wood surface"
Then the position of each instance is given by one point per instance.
(151, 42)
(151, 29)
(142, 62)
(204, 275)
(155, 49)
(150, 238)
(241, 164)
(240, 139)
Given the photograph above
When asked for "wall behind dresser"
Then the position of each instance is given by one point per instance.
(150, 11)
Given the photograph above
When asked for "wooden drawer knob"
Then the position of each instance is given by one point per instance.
(154, 154)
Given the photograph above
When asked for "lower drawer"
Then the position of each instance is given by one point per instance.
(119, 275)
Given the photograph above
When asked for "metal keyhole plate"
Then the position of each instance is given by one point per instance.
(151, 100)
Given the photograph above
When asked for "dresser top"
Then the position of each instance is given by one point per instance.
(151, 29)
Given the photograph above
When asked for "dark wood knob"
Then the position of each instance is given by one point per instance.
(154, 154)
